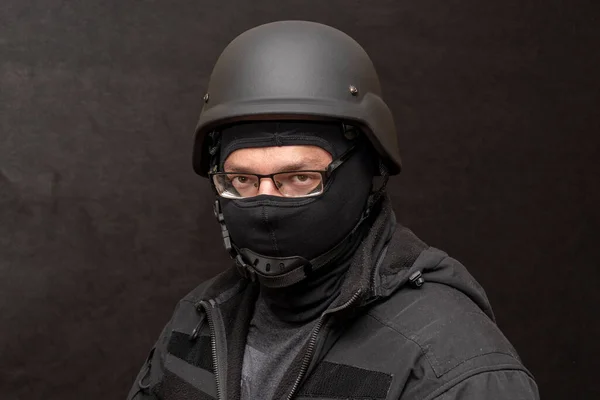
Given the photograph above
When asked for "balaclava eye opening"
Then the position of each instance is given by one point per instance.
(303, 228)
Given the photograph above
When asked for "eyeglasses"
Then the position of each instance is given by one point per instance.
(304, 183)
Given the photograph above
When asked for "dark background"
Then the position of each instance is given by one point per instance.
(104, 226)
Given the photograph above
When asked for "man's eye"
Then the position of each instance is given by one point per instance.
(240, 180)
(302, 178)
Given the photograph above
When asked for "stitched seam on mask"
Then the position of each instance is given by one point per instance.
(318, 139)
(238, 144)
(276, 137)
(271, 232)
(272, 203)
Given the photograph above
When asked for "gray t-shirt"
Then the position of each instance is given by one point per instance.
(272, 345)
(281, 325)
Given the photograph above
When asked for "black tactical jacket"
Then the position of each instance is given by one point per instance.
(410, 323)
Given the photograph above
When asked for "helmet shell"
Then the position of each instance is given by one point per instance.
(296, 70)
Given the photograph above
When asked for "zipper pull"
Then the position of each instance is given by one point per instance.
(196, 332)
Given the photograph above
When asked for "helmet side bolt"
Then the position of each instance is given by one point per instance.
(206, 97)
(353, 90)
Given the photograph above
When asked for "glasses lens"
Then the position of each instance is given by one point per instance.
(289, 184)
(236, 186)
(299, 183)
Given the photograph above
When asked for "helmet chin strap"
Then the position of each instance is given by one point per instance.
(279, 272)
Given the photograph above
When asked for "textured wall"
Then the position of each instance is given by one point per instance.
(103, 225)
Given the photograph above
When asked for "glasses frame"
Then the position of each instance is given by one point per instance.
(325, 175)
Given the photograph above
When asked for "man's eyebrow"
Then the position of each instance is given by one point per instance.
(238, 168)
(297, 166)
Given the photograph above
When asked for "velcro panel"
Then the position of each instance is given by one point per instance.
(197, 352)
(173, 387)
(339, 381)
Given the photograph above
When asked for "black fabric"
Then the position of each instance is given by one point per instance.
(284, 227)
(430, 338)
(497, 385)
(402, 252)
(307, 299)
(173, 387)
(380, 226)
(339, 381)
(329, 136)
(284, 318)
(362, 268)
(197, 352)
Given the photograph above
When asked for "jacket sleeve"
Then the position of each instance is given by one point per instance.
(139, 391)
(494, 385)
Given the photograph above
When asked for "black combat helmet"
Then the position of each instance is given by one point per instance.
(296, 70)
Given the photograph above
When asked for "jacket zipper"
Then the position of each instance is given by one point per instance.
(375, 270)
(208, 306)
(312, 341)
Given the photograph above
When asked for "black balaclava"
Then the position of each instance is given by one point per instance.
(278, 228)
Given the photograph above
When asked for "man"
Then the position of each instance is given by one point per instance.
(329, 297)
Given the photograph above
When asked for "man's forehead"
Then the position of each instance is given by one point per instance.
(277, 158)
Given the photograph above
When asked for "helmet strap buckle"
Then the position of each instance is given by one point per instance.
(224, 231)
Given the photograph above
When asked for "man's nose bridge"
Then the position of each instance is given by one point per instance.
(266, 185)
